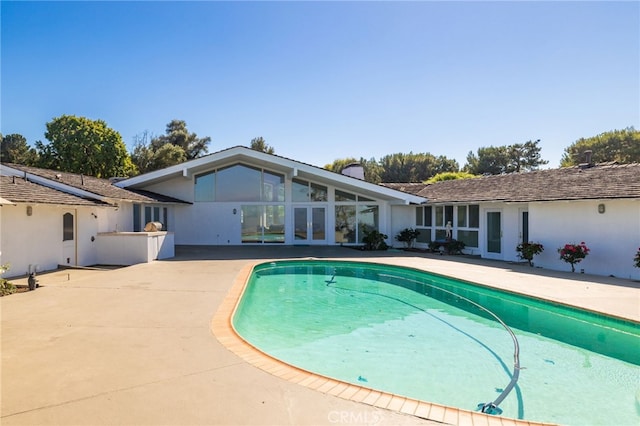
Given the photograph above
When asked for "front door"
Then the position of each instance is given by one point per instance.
(69, 256)
(309, 224)
(494, 235)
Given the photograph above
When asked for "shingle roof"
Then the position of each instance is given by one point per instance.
(98, 186)
(601, 181)
(18, 190)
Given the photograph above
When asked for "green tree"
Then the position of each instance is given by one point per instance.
(14, 149)
(177, 134)
(414, 167)
(176, 146)
(525, 156)
(168, 155)
(142, 154)
(440, 177)
(259, 144)
(505, 159)
(82, 145)
(622, 146)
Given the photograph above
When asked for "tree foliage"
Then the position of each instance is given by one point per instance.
(14, 149)
(440, 177)
(176, 146)
(399, 167)
(622, 146)
(505, 159)
(259, 144)
(82, 145)
(177, 134)
(414, 167)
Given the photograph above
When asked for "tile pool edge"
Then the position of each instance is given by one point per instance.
(223, 330)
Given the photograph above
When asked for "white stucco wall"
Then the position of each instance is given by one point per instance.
(177, 187)
(207, 224)
(129, 248)
(401, 217)
(28, 241)
(613, 237)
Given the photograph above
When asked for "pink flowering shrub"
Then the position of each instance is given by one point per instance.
(573, 253)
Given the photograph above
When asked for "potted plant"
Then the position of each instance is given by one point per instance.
(408, 236)
(573, 253)
(528, 250)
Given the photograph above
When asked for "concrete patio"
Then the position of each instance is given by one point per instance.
(134, 345)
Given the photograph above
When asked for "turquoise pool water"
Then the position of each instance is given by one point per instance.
(402, 331)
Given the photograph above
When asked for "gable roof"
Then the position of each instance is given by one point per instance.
(275, 163)
(83, 186)
(18, 190)
(601, 181)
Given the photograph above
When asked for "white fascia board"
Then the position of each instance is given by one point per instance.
(5, 202)
(292, 167)
(185, 169)
(72, 190)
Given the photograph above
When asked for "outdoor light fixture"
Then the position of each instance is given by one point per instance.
(29, 210)
(235, 211)
(601, 208)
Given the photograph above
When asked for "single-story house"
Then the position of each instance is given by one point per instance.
(595, 204)
(51, 218)
(239, 196)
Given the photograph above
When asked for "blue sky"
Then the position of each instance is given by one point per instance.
(327, 80)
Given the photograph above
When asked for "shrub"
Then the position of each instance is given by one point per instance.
(6, 287)
(528, 250)
(451, 246)
(636, 260)
(573, 253)
(374, 240)
(408, 236)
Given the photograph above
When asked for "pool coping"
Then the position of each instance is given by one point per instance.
(222, 328)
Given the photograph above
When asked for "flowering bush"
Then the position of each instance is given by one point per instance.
(573, 253)
(636, 260)
(528, 250)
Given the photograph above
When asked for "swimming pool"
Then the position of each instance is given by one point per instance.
(423, 336)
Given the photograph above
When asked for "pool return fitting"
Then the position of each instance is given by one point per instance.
(484, 407)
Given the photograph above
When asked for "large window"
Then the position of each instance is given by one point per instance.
(353, 214)
(239, 183)
(205, 187)
(444, 215)
(303, 191)
(143, 214)
(468, 223)
(424, 223)
(262, 224)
